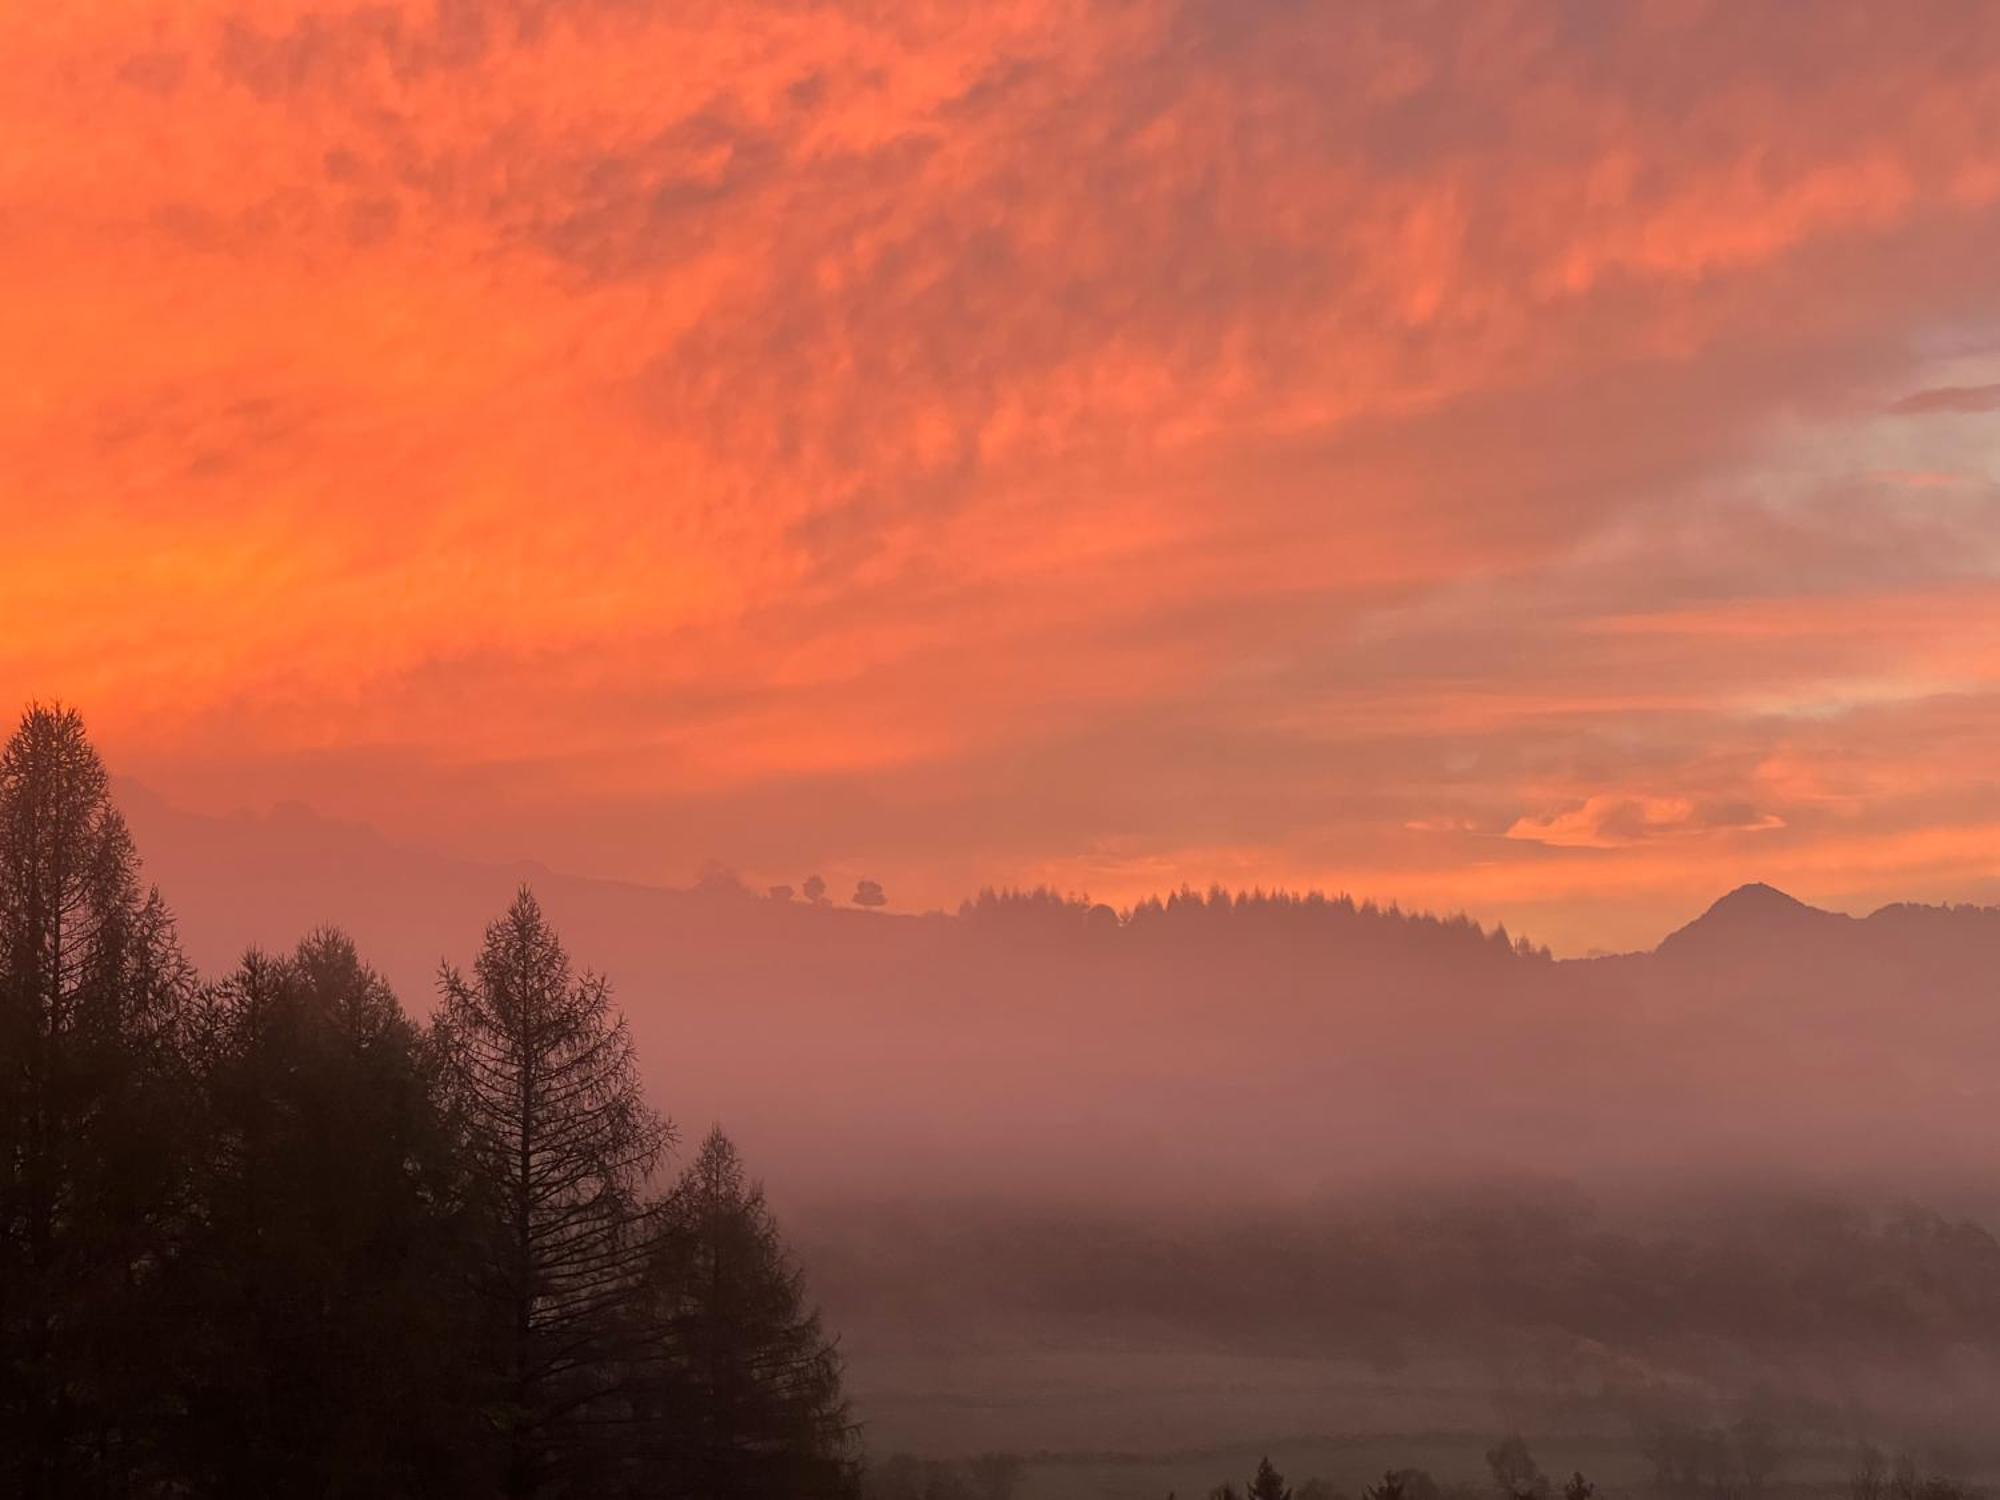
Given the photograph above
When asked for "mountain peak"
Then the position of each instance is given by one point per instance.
(1747, 915)
(1756, 899)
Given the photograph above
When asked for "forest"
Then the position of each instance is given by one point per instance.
(263, 1234)
(264, 1230)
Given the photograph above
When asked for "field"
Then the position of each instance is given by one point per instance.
(1132, 1425)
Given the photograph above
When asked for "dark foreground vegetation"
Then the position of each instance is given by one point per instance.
(267, 1236)
(1747, 1458)
(1736, 1292)
(1739, 1461)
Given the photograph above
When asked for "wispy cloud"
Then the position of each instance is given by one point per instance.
(1956, 399)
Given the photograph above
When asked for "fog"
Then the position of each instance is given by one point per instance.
(1200, 1050)
(1069, 1180)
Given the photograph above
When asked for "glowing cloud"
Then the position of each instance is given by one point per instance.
(1453, 454)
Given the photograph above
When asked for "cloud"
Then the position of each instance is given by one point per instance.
(1150, 440)
(1612, 821)
(1950, 398)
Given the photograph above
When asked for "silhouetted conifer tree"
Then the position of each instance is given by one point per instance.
(334, 1331)
(1267, 1483)
(547, 1091)
(272, 1238)
(93, 993)
(747, 1398)
(1516, 1475)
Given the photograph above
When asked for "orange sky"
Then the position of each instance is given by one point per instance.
(1537, 458)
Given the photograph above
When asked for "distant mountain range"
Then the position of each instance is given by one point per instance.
(1756, 921)
(1034, 1045)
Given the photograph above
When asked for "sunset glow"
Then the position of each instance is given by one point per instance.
(1537, 459)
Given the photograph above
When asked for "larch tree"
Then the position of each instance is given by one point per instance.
(546, 1089)
(93, 995)
(747, 1394)
(331, 1346)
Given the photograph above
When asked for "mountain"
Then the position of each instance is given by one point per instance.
(1931, 973)
(1752, 919)
(1033, 1045)
(1757, 921)
(1032, 1148)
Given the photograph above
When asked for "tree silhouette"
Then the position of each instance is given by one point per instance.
(1515, 1473)
(94, 994)
(814, 889)
(1268, 1483)
(547, 1091)
(869, 893)
(328, 1352)
(747, 1402)
(270, 1237)
(1868, 1479)
(1758, 1457)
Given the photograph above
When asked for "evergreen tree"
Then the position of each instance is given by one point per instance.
(272, 1238)
(93, 996)
(1516, 1475)
(333, 1327)
(747, 1391)
(546, 1089)
(1268, 1483)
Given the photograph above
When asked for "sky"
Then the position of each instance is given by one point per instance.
(1539, 459)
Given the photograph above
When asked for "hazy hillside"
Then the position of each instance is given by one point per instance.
(1068, 1179)
(1238, 1047)
(1022, 1044)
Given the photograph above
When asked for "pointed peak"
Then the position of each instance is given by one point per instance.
(1748, 914)
(1756, 898)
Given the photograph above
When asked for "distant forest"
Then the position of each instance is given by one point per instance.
(264, 1235)
(1776, 1282)
(1191, 916)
